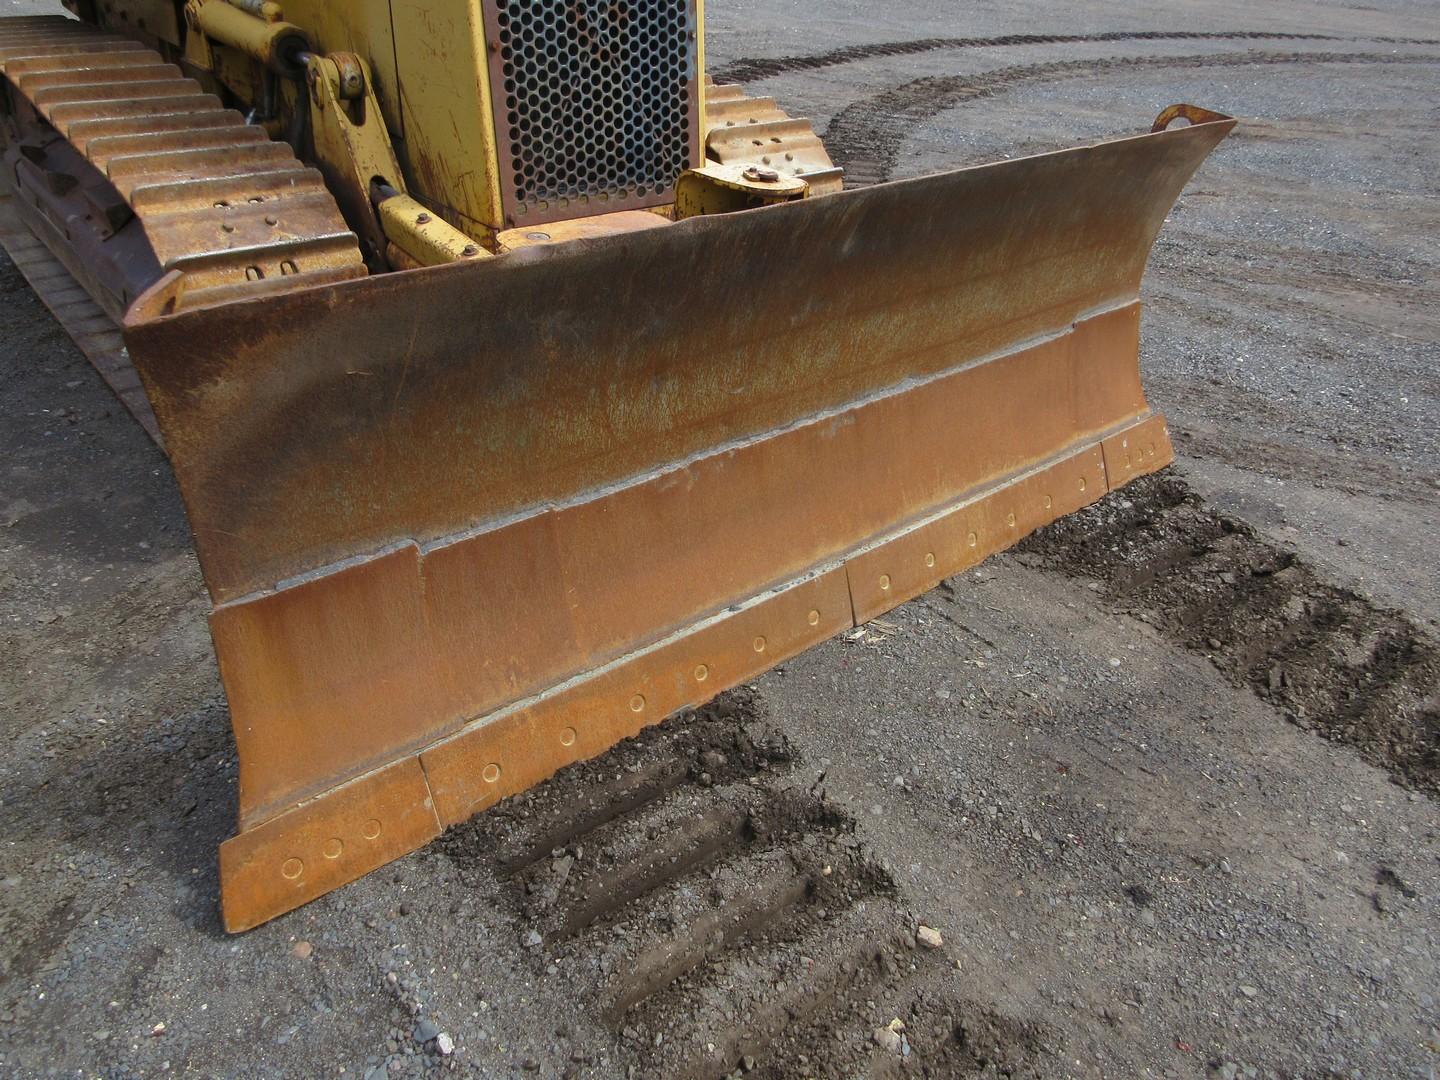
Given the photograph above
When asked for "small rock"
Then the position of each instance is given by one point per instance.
(930, 938)
(714, 760)
(444, 1044)
(1214, 643)
(530, 1065)
(1249, 991)
(888, 1040)
(425, 1031)
(303, 949)
(532, 939)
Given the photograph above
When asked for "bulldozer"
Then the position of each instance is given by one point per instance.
(524, 386)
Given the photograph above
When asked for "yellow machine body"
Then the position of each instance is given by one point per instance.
(510, 418)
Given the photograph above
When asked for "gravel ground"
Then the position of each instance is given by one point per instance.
(1163, 779)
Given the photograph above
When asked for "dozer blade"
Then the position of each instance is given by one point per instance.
(465, 525)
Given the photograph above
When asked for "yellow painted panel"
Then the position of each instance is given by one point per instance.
(449, 146)
(358, 26)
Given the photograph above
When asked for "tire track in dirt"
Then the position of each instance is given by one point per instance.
(719, 915)
(866, 136)
(751, 68)
(1325, 656)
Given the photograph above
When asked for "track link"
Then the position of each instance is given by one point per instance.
(755, 131)
(128, 171)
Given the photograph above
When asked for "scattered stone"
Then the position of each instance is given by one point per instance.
(425, 1031)
(532, 939)
(929, 938)
(444, 1044)
(1249, 991)
(303, 949)
(888, 1040)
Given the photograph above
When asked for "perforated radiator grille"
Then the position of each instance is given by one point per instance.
(596, 102)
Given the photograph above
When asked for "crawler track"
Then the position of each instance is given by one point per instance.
(127, 171)
(755, 131)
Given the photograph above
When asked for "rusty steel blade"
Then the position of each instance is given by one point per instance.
(496, 516)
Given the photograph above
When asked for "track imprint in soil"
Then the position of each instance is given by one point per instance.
(866, 136)
(726, 917)
(765, 67)
(1328, 658)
